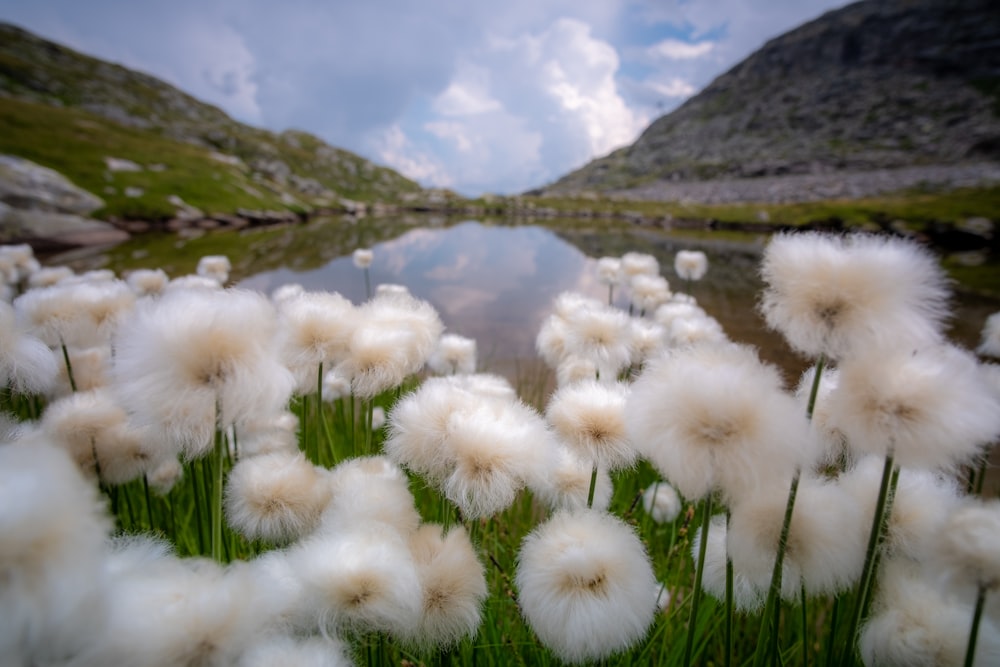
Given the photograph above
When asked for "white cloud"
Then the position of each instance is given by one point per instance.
(675, 49)
(673, 87)
(467, 94)
(396, 150)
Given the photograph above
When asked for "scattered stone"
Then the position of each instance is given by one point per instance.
(184, 210)
(121, 164)
(134, 192)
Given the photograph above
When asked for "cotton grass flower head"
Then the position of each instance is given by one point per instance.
(496, 450)
(648, 292)
(713, 417)
(280, 649)
(666, 314)
(833, 296)
(214, 267)
(362, 258)
(453, 583)
(922, 504)
(690, 264)
(637, 263)
(601, 334)
(316, 328)
(574, 369)
(360, 580)
(609, 270)
(418, 427)
(53, 528)
(747, 595)
(26, 363)
(694, 331)
(914, 624)
(564, 481)
(286, 292)
(91, 369)
(75, 314)
(147, 282)
(589, 416)
(164, 475)
(49, 276)
(169, 611)
(661, 502)
(990, 343)
(969, 545)
(335, 385)
(275, 497)
(826, 539)
(393, 339)
(94, 429)
(649, 339)
(585, 585)
(453, 355)
(928, 406)
(185, 353)
(368, 490)
(193, 282)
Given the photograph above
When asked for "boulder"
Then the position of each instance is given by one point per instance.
(47, 229)
(30, 186)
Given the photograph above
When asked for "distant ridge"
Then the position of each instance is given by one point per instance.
(875, 85)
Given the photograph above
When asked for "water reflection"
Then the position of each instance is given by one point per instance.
(496, 283)
(493, 284)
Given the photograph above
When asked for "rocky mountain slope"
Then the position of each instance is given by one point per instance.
(875, 85)
(152, 152)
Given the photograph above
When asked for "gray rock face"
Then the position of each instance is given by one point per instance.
(46, 228)
(878, 84)
(26, 185)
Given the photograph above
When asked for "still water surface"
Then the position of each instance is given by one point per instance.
(496, 283)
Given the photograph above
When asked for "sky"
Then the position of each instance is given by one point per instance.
(497, 96)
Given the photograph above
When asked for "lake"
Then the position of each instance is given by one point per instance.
(491, 282)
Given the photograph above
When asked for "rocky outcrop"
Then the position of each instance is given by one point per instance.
(26, 185)
(879, 84)
(42, 207)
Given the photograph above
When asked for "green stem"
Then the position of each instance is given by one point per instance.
(353, 425)
(699, 572)
(805, 625)
(883, 508)
(69, 366)
(728, 658)
(219, 464)
(149, 503)
(593, 487)
(814, 390)
(970, 651)
(981, 477)
(831, 647)
(368, 426)
(199, 504)
(767, 639)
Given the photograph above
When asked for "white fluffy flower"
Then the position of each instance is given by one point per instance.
(214, 267)
(585, 585)
(832, 295)
(929, 406)
(690, 264)
(661, 502)
(713, 417)
(453, 355)
(589, 417)
(362, 258)
(277, 497)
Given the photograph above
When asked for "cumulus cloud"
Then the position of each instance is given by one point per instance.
(675, 49)
(480, 97)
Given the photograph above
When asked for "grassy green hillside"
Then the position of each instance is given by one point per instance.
(68, 111)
